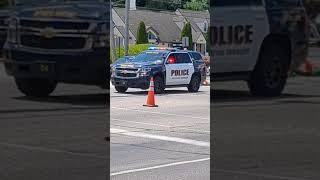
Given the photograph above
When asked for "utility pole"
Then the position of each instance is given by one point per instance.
(126, 42)
(113, 49)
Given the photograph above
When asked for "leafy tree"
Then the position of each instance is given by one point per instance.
(187, 32)
(3, 3)
(197, 5)
(142, 37)
(164, 5)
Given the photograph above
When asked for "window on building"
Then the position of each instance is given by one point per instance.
(205, 27)
(151, 36)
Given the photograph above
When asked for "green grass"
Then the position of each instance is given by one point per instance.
(133, 50)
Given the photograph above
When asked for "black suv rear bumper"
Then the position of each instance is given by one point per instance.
(88, 67)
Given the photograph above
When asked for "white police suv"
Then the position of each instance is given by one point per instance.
(258, 41)
(169, 67)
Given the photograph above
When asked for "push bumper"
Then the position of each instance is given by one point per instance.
(141, 82)
(88, 67)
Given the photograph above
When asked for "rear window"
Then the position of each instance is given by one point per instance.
(283, 3)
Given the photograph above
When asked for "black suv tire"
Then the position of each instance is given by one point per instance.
(270, 74)
(121, 89)
(194, 84)
(159, 85)
(36, 87)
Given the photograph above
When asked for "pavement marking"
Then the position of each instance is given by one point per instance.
(51, 150)
(159, 137)
(158, 167)
(160, 125)
(160, 113)
(257, 175)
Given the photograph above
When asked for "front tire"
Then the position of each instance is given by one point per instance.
(121, 89)
(36, 87)
(194, 84)
(159, 85)
(270, 74)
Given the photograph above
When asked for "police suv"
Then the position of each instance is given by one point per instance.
(169, 67)
(58, 41)
(258, 41)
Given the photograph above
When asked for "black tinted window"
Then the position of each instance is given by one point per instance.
(196, 56)
(236, 2)
(283, 3)
(182, 58)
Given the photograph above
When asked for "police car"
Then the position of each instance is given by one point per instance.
(258, 41)
(169, 67)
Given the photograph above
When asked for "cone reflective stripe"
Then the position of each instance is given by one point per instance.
(150, 98)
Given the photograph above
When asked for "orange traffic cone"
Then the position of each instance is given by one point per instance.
(150, 98)
(308, 66)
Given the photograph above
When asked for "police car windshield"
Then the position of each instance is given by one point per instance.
(149, 56)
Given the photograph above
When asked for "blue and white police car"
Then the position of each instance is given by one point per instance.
(170, 68)
(258, 41)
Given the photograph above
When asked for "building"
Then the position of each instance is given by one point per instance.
(163, 27)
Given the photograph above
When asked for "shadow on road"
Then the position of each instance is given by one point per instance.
(82, 99)
(167, 92)
(222, 95)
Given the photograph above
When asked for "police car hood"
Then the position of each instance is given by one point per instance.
(65, 10)
(136, 64)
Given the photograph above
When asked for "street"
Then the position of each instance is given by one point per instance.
(60, 137)
(171, 141)
(267, 139)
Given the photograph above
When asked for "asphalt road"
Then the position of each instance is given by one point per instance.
(56, 138)
(169, 142)
(267, 139)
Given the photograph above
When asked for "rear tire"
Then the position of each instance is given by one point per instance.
(36, 87)
(270, 74)
(121, 89)
(194, 84)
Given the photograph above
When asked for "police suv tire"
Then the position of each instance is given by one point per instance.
(271, 72)
(36, 87)
(121, 89)
(194, 84)
(159, 85)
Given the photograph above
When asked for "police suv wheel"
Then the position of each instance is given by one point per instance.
(270, 74)
(159, 85)
(194, 84)
(36, 87)
(121, 89)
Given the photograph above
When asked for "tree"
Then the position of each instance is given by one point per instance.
(164, 5)
(197, 5)
(142, 37)
(187, 32)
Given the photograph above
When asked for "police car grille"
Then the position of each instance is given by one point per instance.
(53, 43)
(55, 25)
(120, 74)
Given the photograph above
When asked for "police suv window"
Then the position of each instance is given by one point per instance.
(182, 58)
(196, 56)
(236, 2)
(283, 3)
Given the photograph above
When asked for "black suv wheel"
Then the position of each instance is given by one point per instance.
(194, 84)
(121, 89)
(159, 85)
(270, 74)
(36, 87)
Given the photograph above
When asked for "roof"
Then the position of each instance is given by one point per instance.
(195, 17)
(160, 21)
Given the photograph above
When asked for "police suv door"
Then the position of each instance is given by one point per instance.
(238, 28)
(179, 69)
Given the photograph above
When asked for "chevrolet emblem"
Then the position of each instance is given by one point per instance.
(48, 32)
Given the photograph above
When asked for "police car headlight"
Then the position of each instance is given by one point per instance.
(12, 30)
(101, 39)
(145, 71)
(113, 71)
